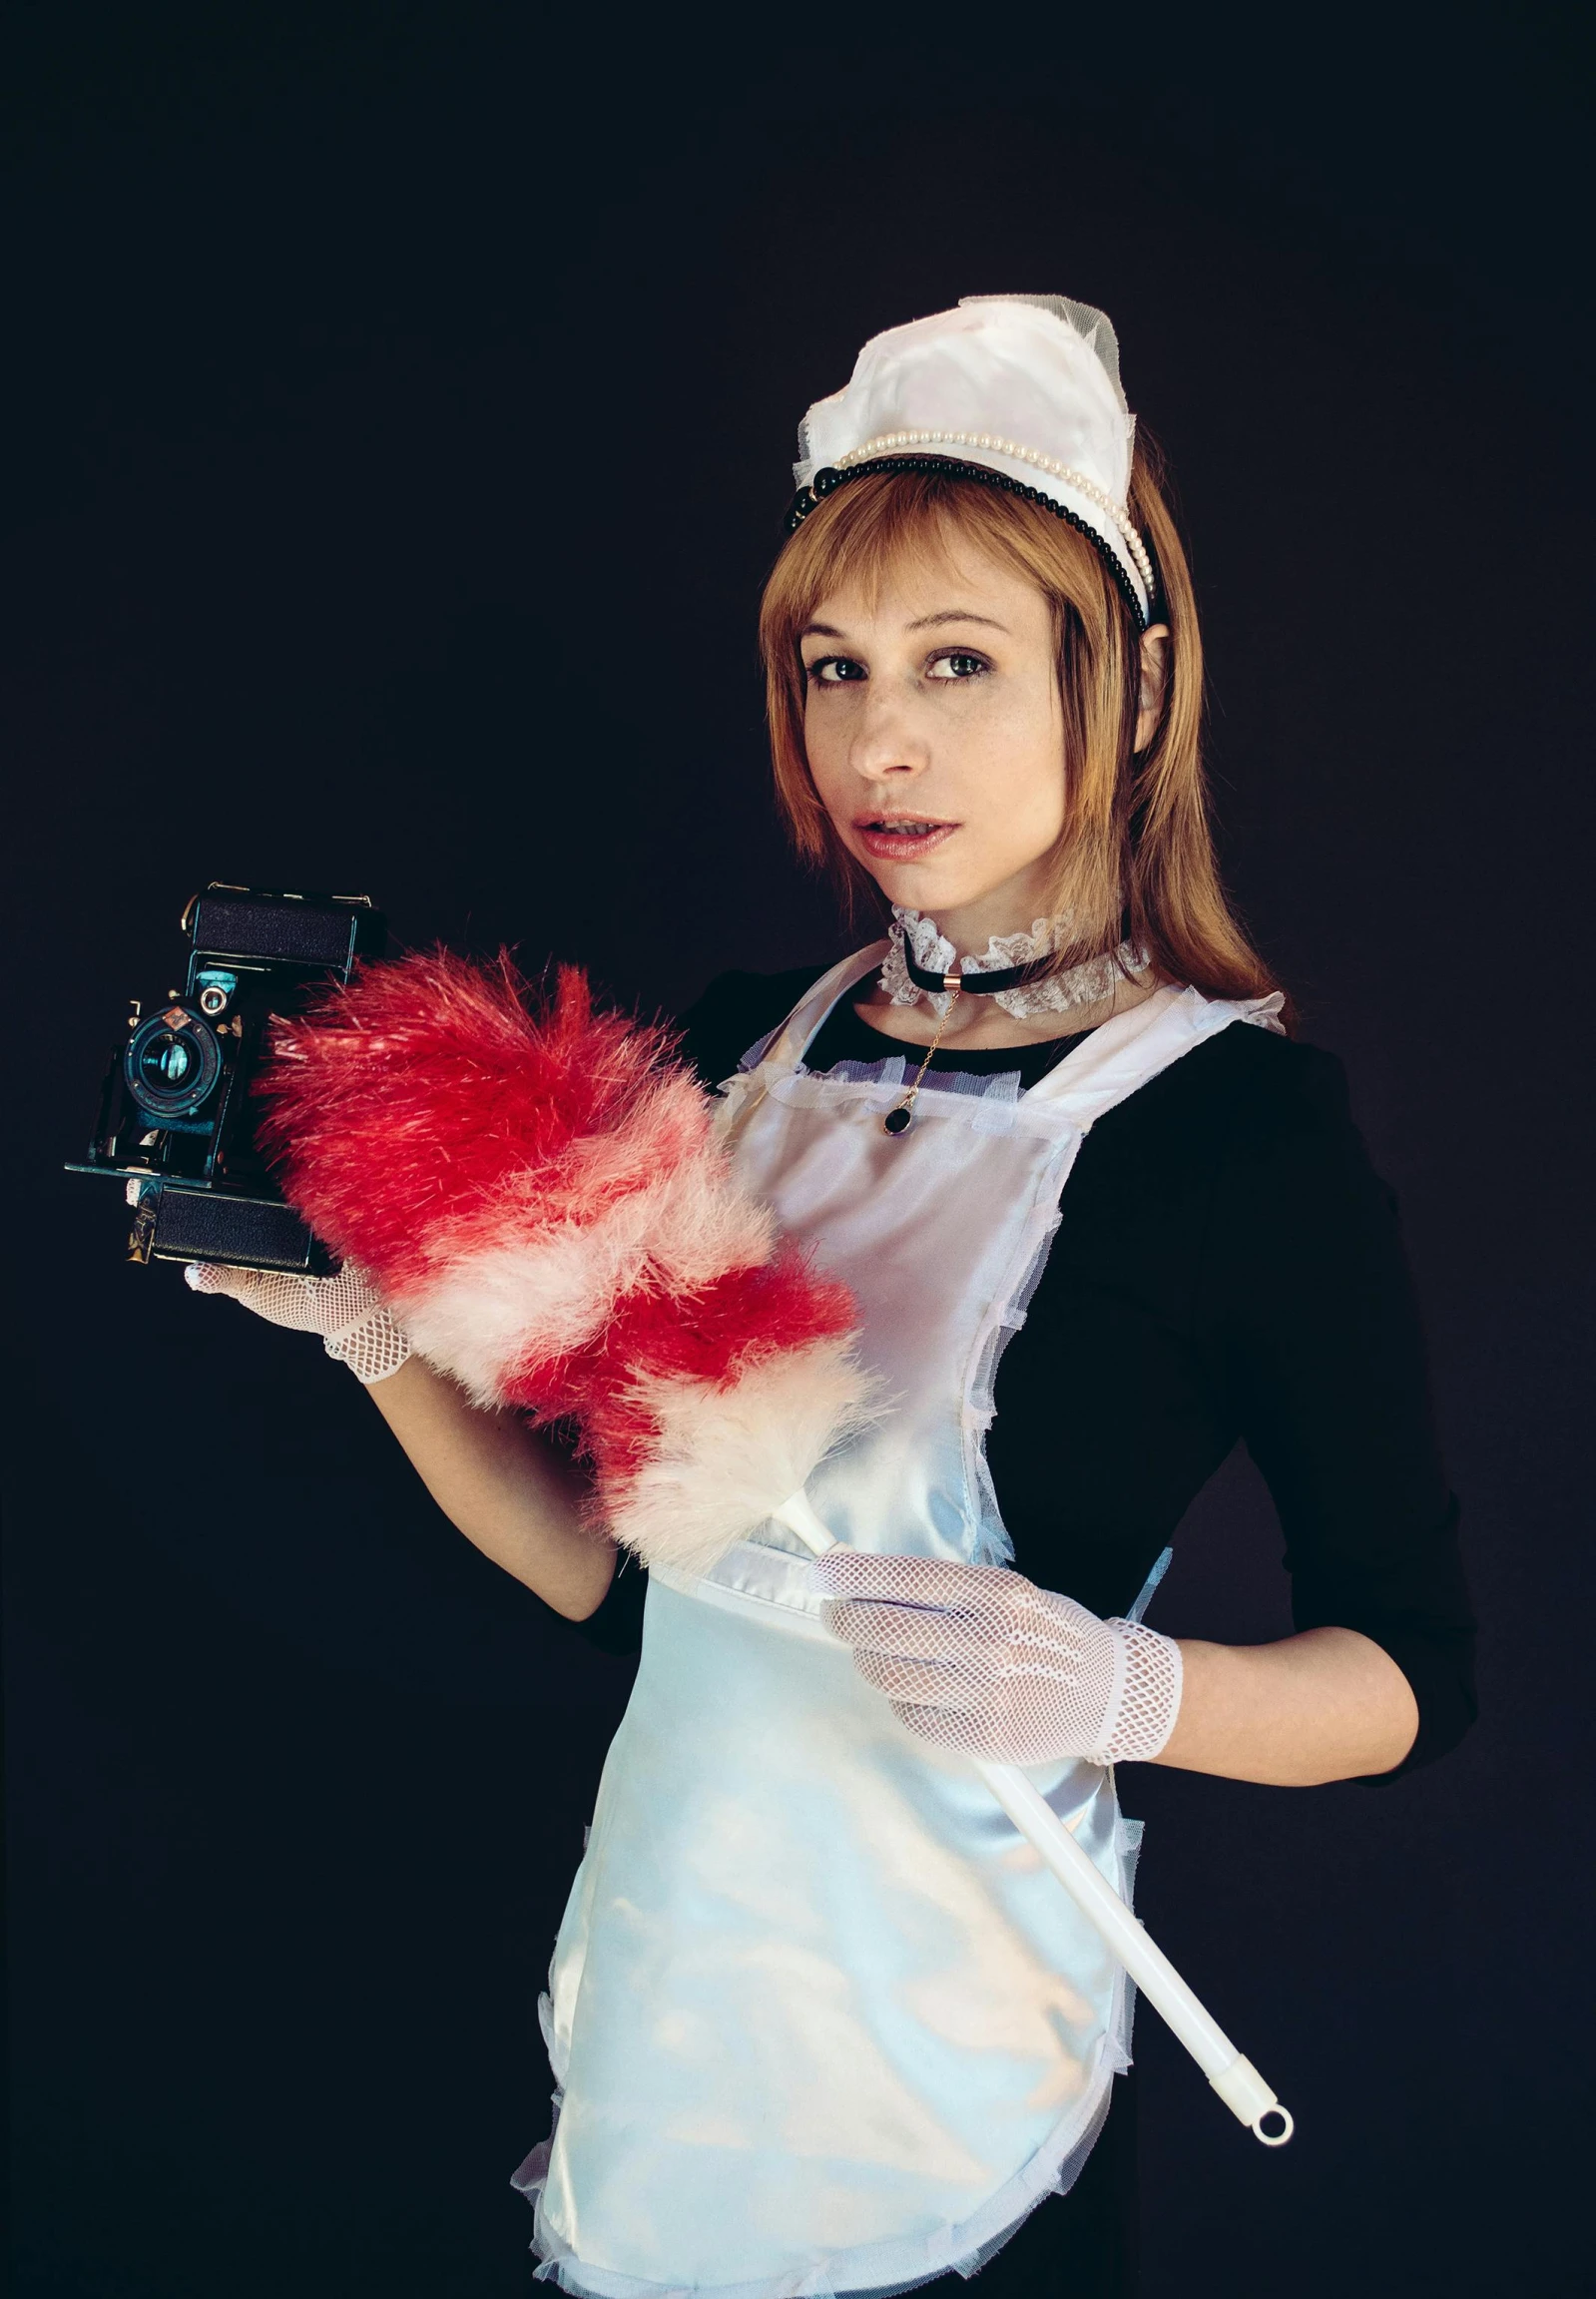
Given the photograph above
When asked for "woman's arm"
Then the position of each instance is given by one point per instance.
(1324, 1355)
(504, 1486)
(978, 1658)
(1326, 1705)
(506, 1489)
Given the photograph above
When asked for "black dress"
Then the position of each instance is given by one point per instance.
(1227, 1268)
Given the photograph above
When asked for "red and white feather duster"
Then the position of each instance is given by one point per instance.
(537, 1191)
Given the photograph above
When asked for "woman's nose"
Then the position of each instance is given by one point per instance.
(886, 745)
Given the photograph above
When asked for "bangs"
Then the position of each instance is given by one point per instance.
(876, 527)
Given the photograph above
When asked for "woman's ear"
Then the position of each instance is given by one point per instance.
(1155, 670)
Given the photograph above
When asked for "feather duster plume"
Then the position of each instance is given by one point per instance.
(537, 1191)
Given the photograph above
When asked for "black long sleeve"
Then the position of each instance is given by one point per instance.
(1227, 1266)
(1323, 1357)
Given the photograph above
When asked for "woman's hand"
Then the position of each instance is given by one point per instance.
(346, 1310)
(974, 1657)
(977, 1658)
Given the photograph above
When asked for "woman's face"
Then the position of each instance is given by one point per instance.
(935, 737)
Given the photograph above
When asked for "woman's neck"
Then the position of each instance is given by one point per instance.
(973, 926)
(976, 1021)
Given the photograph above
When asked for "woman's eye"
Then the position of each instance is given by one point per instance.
(834, 670)
(956, 666)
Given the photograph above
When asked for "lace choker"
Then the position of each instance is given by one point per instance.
(920, 960)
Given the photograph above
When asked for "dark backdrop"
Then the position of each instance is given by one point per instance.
(401, 426)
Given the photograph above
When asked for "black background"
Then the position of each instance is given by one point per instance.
(400, 416)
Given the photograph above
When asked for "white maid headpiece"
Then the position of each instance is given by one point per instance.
(1025, 387)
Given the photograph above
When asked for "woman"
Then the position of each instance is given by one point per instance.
(819, 2021)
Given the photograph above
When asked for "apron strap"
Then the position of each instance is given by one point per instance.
(790, 1040)
(744, 1090)
(1127, 1052)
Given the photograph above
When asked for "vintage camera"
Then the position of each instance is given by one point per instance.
(176, 1118)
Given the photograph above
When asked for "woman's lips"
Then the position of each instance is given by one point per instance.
(902, 838)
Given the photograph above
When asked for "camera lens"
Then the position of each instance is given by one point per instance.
(166, 1062)
(172, 1063)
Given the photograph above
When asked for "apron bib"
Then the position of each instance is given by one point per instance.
(821, 2020)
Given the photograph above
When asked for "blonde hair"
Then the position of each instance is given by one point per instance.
(1135, 858)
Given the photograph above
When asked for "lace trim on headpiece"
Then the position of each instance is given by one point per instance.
(827, 480)
(1086, 984)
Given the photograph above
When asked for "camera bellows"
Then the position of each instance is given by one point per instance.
(538, 1192)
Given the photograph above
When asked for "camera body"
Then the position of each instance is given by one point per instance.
(176, 1118)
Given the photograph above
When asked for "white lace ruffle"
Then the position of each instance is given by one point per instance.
(1083, 985)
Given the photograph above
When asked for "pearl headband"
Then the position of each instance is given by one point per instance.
(1077, 481)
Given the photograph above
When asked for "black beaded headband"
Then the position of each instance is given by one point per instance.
(826, 480)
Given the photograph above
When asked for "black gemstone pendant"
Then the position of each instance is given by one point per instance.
(897, 1121)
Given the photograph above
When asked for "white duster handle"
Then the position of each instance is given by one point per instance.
(1234, 2077)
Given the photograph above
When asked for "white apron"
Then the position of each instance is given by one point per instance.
(821, 2020)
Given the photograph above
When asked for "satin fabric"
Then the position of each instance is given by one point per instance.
(1039, 372)
(820, 2019)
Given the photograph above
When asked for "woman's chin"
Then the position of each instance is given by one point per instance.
(915, 882)
(914, 889)
(926, 887)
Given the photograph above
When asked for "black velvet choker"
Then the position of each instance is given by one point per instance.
(986, 985)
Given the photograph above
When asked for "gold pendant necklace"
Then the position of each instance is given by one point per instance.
(901, 1117)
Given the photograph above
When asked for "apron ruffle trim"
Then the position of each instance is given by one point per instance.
(882, 2269)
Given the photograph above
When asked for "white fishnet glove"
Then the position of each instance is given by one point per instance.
(345, 1310)
(975, 1657)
